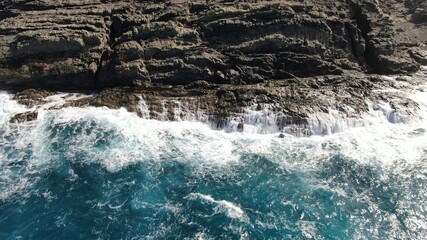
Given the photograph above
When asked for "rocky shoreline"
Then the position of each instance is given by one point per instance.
(290, 58)
(284, 104)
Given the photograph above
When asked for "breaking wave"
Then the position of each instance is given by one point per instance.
(101, 173)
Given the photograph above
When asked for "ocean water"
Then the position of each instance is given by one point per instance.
(97, 173)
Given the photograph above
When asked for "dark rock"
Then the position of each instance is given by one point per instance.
(240, 127)
(382, 52)
(24, 117)
(419, 55)
(201, 84)
(32, 97)
(418, 9)
(80, 44)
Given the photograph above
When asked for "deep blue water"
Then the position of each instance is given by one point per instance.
(106, 174)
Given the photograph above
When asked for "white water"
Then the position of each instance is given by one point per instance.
(261, 118)
(378, 140)
(230, 209)
(371, 140)
(377, 134)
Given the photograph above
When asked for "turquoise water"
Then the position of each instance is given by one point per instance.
(96, 173)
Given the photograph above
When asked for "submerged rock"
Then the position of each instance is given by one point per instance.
(24, 117)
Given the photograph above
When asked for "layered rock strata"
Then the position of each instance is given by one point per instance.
(92, 44)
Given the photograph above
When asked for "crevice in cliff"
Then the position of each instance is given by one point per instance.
(97, 78)
(352, 39)
(365, 27)
(116, 29)
(355, 46)
(104, 64)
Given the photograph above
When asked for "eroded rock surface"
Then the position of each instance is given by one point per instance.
(313, 105)
(92, 44)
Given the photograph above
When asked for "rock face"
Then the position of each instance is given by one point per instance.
(94, 44)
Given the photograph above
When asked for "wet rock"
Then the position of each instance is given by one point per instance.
(288, 107)
(24, 117)
(240, 127)
(32, 97)
(417, 132)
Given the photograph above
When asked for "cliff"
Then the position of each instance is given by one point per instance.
(89, 44)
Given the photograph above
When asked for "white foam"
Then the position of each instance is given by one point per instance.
(143, 109)
(173, 110)
(308, 229)
(144, 140)
(373, 140)
(221, 206)
(59, 99)
(262, 118)
(8, 107)
(201, 236)
(150, 140)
